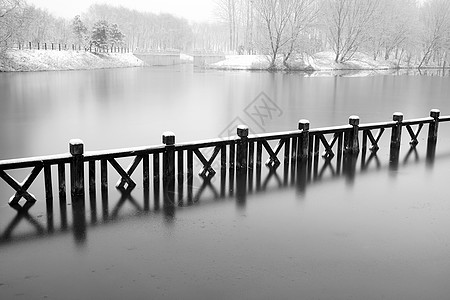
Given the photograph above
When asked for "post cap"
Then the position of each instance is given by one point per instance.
(242, 130)
(303, 124)
(435, 113)
(353, 120)
(76, 147)
(168, 138)
(397, 116)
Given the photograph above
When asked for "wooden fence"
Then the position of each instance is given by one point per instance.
(68, 47)
(239, 156)
(238, 161)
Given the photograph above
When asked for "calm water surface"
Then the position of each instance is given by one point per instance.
(382, 234)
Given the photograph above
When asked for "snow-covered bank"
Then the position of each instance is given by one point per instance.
(323, 61)
(52, 60)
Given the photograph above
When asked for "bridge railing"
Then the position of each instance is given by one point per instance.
(240, 158)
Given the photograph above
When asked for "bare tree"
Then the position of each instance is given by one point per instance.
(349, 23)
(303, 15)
(436, 28)
(9, 10)
(275, 17)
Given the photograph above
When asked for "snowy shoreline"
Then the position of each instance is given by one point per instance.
(319, 64)
(53, 60)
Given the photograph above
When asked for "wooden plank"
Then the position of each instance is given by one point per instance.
(92, 178)
(48, 187)
(62, 184)
(20, 163)
(258, 164)
(251, 164)
(146, 171)
(231, 166)
(223, 169)
(286, 159)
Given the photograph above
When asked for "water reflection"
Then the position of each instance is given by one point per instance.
(297, 175)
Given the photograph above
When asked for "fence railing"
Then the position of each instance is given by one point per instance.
(69, 47)
(240, 156)
(237, 160)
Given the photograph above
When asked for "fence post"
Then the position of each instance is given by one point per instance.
(59, 46)
(303, 141)
(241, 164)
(396, 139)
(432, 135)
(76, 148)
(29, 44)
(351, 136)
(168, 139)
(433, 127)
(38, 46)
(242, 149)
(45, 46)
(52, 47)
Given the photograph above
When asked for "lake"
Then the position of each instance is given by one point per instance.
(379, 233)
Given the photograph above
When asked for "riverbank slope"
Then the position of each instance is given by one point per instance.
(53, 60)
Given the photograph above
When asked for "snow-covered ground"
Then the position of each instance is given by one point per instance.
(323, 61)
(51, 60)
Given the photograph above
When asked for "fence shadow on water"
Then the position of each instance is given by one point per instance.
(195, 174)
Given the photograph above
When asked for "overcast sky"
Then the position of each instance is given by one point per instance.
(194, 10)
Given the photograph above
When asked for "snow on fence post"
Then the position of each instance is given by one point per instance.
(76, 148)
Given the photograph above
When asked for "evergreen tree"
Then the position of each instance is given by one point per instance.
(100, 34)
(79, 30)
(116, 37)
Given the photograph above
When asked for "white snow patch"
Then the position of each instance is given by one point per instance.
(49, 60)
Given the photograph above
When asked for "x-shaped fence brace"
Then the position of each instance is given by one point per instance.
(374, 140)
(207, 170)
(273, 162)
(413, 134)
(126, 174)
(21, 188)
(328, 153)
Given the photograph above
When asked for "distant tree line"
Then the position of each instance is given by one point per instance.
(386, 29)
(401, 30)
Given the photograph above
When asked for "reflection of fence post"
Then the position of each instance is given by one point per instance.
(351, 136)
(396, 139)
(168, 139)
(76, 148)
(432, 135)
